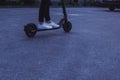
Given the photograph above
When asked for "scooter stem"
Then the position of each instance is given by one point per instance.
(64, 10)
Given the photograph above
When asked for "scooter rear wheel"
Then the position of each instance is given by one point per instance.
(30, 29)
(67, 26)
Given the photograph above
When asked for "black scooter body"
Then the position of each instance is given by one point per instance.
(31, 29)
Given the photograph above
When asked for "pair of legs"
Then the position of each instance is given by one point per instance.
(44, 15)
(44, 11)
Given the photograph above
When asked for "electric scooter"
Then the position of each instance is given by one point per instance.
(31, 29)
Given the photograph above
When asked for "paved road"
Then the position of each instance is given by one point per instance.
(90, 52)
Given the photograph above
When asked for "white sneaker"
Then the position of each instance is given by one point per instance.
(44, 26)
(53, 24)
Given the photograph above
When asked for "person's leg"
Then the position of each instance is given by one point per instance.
(42, 11)
(47, 15)
(47, 11)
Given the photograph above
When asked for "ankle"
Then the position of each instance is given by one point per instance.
(41, 23)
(48, 21)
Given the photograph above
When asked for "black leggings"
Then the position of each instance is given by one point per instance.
(44, 12)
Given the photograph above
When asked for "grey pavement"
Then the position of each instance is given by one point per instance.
(91, 51)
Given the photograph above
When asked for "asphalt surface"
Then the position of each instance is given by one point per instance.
(91, 51)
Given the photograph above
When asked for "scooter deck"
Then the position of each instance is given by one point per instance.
(48, 29)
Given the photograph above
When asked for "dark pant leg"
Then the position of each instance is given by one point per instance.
(47, 13)
(41, 11)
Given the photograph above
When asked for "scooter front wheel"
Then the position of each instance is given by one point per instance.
(67, 26)
(30, 29)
